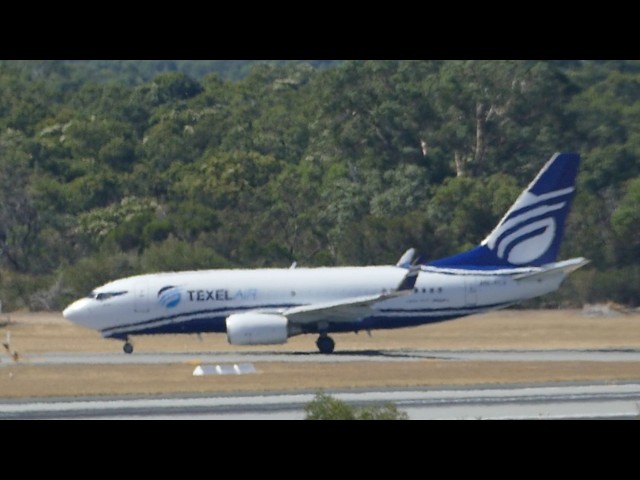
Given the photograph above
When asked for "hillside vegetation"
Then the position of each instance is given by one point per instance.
(107, 172)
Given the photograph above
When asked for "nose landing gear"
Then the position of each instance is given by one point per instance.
(127, 348)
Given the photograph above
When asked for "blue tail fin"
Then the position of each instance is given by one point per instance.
(531, 231)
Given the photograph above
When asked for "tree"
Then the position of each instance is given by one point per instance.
(19, 219)
(176, 86)
(607, 115)
(122, 223)
(625, 221)
(351, 164)
(290, 219)
(378, 112)
(499, 115)
(173, 254)
(464, 210)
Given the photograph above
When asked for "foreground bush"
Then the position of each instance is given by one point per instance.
(325, 407)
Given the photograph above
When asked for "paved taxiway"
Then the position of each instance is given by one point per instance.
(584, 401)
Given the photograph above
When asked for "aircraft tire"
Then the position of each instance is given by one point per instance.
(127, 348)
(325, 344)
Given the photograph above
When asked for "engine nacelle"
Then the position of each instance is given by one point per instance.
(256, 329)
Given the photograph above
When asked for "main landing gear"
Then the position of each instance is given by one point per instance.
(325, 343)
(127, 348)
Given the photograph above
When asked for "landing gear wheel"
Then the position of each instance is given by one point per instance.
(325, 344)
(127, 348)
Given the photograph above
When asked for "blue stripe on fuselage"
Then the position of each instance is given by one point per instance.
(176, 320)
(213, 322)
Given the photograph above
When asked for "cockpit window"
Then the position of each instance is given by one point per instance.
(104, 295)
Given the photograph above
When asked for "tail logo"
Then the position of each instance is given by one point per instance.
(529, 229)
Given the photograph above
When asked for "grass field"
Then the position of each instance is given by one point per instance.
(509, 329)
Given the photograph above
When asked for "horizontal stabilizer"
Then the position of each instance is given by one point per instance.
(566, 267)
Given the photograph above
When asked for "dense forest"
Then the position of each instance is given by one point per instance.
(131, 72)
(112, 169)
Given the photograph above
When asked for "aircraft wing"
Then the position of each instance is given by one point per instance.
(349, 309)
(342, 311)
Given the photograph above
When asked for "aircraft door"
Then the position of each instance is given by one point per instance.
(471, 291)
(142, 297)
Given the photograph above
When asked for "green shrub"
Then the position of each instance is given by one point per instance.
(17, 289)
(326, 407)
(387, 411)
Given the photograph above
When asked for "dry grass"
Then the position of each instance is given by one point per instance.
(77, 380)
(506, 329)
(510, 329)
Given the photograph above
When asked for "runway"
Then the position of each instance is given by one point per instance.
(580, 401)
(168, 358)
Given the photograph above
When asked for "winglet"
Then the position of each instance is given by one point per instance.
(405, 259)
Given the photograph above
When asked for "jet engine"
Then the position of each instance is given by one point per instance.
(256, 329)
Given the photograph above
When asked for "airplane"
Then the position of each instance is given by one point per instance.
(515, 262)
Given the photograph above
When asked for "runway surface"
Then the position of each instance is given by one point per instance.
(599, 355)
(581, 400)
(584, 401)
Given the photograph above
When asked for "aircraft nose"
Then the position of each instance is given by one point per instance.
(76, 312)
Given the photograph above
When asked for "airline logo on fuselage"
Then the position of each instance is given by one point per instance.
(221, 294)
(170, 296)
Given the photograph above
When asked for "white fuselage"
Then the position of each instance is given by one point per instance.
(200, 301)
(515, 262)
